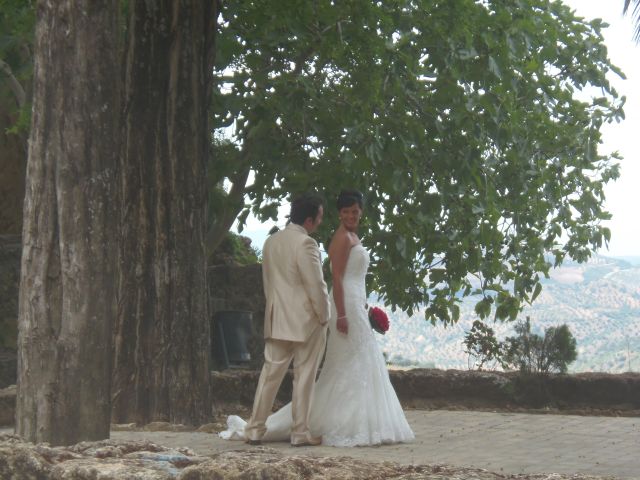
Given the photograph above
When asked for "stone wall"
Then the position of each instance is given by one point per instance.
(240, 288)
(8, 367)
(7, 405)
(582, 393)
(579, 392)
(10, 251)
(13, 163)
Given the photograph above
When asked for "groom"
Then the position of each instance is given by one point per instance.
(296, 314)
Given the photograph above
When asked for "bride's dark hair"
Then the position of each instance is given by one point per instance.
(348, 198)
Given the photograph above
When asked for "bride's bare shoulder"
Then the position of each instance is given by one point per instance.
(337, 242)
(342, 241)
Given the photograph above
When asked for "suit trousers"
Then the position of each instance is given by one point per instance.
(278, 354)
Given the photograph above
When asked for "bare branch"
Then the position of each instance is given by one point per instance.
(14, 84)
(234, 204)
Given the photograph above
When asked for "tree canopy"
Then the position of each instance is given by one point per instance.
(473, 129)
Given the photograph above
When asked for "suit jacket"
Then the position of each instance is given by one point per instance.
(297, 300)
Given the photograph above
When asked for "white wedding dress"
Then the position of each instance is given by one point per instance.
(354, 402)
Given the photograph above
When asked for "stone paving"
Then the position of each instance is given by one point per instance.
(507, 443)
(529, 443)
(500, 442)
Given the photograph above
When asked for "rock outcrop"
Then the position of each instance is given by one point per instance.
(109, 460)
(105, 460)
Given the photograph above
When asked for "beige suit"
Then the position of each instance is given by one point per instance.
(296, 314)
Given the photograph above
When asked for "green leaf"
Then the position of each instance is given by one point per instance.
(536, 292)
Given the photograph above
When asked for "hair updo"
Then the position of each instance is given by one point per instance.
(348, 198)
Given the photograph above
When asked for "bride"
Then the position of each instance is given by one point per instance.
(354, 403)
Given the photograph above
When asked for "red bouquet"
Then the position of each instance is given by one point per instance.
(378, 320)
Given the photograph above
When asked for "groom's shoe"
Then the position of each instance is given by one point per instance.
(309, 441)
(248, 441)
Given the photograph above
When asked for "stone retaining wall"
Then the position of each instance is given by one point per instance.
(433, 388)
(7, 405)
(10, 252)
(587, 393)
(240, 288)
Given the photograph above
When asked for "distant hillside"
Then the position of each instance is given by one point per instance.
(633, 260)
(599, 300)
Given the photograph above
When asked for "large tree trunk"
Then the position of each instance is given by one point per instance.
(162, 332)
(67, 305)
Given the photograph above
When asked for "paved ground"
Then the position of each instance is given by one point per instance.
(499, 442)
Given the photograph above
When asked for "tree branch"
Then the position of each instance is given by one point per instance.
(234, 205)
(14, 84)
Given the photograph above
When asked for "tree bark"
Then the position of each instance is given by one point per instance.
(66, 305)
(162, 332)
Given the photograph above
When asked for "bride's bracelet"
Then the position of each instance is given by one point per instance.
(342, 316)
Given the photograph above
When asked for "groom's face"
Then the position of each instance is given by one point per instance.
(312, 225)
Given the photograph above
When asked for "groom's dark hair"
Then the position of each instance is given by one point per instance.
(305, 206)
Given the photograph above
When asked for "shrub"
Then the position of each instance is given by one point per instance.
(482, 346)
(527, 352)
(530, 353)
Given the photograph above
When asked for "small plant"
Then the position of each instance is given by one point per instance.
(482, 347)
(526, 352)
(530, 353)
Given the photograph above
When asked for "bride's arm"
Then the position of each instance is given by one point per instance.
(338, 255)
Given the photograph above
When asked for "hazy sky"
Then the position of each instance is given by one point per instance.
(623, 196)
